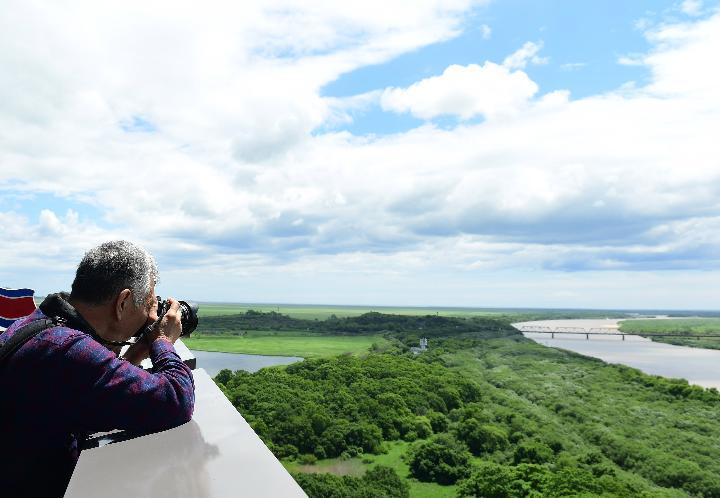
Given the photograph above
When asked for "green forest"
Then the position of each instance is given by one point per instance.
(367, 323)
(483, 412)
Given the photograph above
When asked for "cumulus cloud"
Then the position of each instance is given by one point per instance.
(30, 243)
(680, 64)
(528, 53)
(464, 91)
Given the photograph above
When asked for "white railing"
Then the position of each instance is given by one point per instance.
(215, 455)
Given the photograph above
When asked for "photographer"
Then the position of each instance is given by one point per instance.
(67, 381)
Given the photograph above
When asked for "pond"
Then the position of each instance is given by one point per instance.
(696, 365)
(214, 362)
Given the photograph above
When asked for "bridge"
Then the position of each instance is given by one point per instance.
(587, 332)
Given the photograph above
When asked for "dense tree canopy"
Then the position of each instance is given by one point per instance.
(500, 417)
(401, 326)
(347, 404)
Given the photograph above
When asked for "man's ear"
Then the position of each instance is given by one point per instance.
(122, 303)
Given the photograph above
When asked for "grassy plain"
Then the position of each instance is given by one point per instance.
(698, 328)
(321, 312)
(286, 344)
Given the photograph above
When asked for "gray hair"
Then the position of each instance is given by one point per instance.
(111, 267)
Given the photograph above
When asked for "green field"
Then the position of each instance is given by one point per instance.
(695, 327)
(393, 459)
(321, 312)
(286, 344)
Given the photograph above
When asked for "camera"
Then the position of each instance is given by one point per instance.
(188, 314)
(188, 317)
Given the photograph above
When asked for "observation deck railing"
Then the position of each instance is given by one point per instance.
(215, 455)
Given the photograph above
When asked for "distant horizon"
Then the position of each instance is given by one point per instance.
(431, 307)
(39, 297)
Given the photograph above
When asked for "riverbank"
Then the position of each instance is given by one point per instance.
(698, 366)
(212, 362)
(698, 328)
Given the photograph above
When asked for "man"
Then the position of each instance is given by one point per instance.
(67, 381)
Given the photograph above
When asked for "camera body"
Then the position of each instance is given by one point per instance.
(188, 314)
(188, 317)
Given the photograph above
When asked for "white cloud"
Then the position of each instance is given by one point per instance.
(682, 65)
(234, 191)
(33, 245)
(692, 7)
(464, 91)
(528, 53)
(631, 60)
(573, 66)
(485, 31)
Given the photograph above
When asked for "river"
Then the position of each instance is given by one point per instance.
(698, 366)
(214, 362)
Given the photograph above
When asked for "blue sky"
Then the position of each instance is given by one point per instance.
(470, 153)
(581, 40)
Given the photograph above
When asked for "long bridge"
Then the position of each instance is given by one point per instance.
(587, 332)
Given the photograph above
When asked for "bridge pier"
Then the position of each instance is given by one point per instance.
(587, 337)
(552, 336)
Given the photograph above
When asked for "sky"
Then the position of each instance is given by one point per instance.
(473, 153)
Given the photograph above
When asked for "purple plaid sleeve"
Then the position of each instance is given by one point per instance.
(119, 395)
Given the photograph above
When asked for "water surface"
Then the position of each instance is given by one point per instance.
(696, 365)
(214, 362)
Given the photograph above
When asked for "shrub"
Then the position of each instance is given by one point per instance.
(378, 481)
(307, 459)
(489, 480)
(482, 439)
(438, 421)
(530, 451)
(442, 459)
(422, 427)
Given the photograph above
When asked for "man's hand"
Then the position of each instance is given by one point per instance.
(170, 327)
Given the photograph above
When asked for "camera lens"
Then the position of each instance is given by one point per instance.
(189, 318)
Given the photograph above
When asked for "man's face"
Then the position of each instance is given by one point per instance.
(142, 315)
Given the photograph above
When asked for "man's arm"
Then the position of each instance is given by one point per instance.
(118, 395)
(137, 352)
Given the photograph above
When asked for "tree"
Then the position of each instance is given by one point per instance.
(223, 376)
(531, 451)
(481, 438)
(378, 481)
(438, 421)
(489, 480)
(386, 479)
(442, 459)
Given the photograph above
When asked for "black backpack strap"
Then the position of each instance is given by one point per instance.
(23, 335)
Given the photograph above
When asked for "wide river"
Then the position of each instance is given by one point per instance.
(698, 366)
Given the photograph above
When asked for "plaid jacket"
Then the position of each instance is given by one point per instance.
(63, 384)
